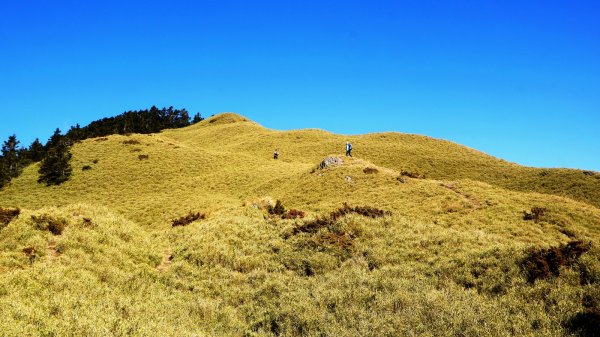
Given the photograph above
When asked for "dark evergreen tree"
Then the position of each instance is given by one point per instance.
(4, 177)
(56, 167)
(11, 159)
(54, 140)
(36, 151)
(197, 118)
(75, 133)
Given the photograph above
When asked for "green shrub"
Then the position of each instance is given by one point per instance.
(55, 226)
(536, 213)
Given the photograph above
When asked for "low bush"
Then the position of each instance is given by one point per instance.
(86, 168)
(544, 263)
(7, 215)
(586, 323)
(370, 170)
(293, 214)
(188, 219)
(535, 214)
(55, 226)
(366, 211)
(131, 142)
(412, 174)
(331, 220)
(95, 161)
(278, 209)
(143, 157)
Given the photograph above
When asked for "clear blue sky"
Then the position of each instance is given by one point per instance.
(517, 79)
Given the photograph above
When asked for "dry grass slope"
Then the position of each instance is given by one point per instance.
(98, 255)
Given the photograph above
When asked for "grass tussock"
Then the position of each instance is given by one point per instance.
(131, 142)
(143, 157)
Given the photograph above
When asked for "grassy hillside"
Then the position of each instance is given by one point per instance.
(453, 254)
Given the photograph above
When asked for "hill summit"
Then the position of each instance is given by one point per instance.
(411, 236)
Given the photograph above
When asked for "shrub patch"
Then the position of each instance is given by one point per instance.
(55, 226)
(412, 174)
(188, 219)
(540, 264)
(7, 215)
(536, 213)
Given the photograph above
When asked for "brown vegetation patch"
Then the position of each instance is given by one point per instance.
(86, 168)
(541, 264)
(7, 215)
(278, 209)
(331, 220)
(585, 323)
(412, 174)
(366, 211)
(535, 214)
(45, 222)
(143, 157)
(188, 219)
(131, 142)
(30, 253)
(293, 214)
(370, 170)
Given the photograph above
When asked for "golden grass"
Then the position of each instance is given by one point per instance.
(445, 263)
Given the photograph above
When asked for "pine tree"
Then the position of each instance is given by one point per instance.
(11, 158)
(54, 140)
(56, 167)
(4, 177)
(36, 151)
(197, 118)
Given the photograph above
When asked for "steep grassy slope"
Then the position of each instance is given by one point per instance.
(447, 259)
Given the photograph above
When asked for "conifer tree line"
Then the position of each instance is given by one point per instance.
(55, 155)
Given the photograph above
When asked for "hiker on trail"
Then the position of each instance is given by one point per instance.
(348, 149)
(276, 154)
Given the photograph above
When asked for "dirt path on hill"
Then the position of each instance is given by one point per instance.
(472, 200)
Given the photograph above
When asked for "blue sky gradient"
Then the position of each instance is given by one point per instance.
(519, 80)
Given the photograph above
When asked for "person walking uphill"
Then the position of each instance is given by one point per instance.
(276, 154)
(348, 149)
